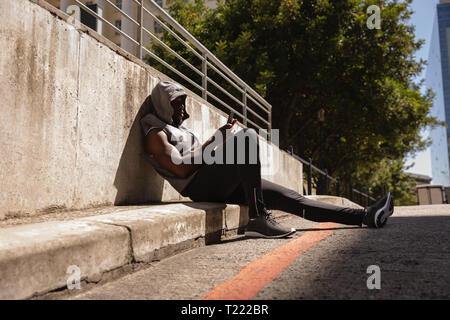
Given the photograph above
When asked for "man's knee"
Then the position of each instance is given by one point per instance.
(246, 146)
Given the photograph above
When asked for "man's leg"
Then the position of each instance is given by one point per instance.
(225, 183)
(217, 182)
(277, 197)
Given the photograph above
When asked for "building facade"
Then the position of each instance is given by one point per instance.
(438, 79)
(113, 16)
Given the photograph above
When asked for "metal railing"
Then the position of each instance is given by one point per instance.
(259, 110)
(361, 198)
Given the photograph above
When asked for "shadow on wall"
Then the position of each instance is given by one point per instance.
(136, 180)
(216, 220)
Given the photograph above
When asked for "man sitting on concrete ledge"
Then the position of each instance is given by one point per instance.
(177, 155)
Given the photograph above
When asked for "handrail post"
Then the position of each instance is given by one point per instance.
(309, 177)
(326, 181)
(244, 108)
(291, 150)
(351, 192)
(141, 21)
(269, 116)
(338, 187)
(204, 77)
(367, 197)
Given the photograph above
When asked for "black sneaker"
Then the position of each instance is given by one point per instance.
(378, 213)
(264, 226)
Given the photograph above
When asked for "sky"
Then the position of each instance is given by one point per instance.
(422, 19)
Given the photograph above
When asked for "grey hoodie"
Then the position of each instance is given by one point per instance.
(180, 137)
(162, 95)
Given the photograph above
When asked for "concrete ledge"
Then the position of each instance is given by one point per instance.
(156, 227)
(35, 258)
(337, 201)
(422, 210)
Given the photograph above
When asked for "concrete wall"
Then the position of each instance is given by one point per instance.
(70, 107)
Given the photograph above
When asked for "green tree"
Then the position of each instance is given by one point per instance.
(391, 175)
(307, 55)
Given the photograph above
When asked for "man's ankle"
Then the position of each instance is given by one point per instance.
(363, 216)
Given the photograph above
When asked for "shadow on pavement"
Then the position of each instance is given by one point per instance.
(412, 253)
(322, 229)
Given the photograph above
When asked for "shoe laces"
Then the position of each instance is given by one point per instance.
(269, 217)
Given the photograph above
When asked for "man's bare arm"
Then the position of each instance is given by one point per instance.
(157, 144)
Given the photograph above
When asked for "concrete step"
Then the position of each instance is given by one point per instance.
(38, 258)
(34, 258)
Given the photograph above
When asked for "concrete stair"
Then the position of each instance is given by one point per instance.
(35, 257)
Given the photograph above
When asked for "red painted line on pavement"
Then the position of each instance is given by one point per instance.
(254, 276)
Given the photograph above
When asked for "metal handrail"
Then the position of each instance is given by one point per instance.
(124, 14)
(204, 50)
(208, 59)
(172, 32)
(171, 68)
(172, 52)
(325, 173)
(313, 167)
(105, 21)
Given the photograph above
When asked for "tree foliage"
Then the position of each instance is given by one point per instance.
(307, 55)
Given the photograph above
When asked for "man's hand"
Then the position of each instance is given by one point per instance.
(227, 126)
(157, 144)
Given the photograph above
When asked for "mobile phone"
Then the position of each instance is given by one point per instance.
(230, 117)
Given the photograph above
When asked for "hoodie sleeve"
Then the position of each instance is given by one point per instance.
(149, 122)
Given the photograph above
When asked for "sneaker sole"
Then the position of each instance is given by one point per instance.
(254, 234)
(384, 212)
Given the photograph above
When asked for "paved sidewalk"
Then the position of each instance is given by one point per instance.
(39, 254)
(411, 252)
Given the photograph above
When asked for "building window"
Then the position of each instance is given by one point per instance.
(118, 24)
(119, 4)
(87, 18)
(156, 27)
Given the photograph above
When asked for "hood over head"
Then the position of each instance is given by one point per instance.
(162, 95)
